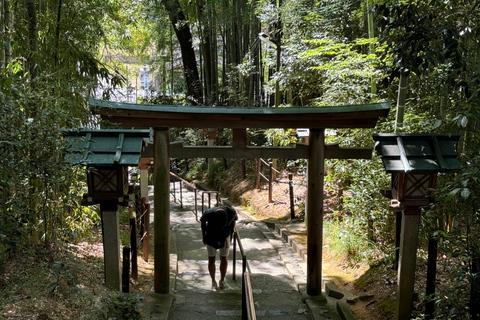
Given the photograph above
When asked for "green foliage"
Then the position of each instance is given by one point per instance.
(281, 137)
(39, 192)
(119, 306)
(456, 223)
(436, 43)
(388, 305)
(61, 272)
(215, 170)
(124, 306)
(344, 70)
(362, 219)
(345, 242)
(177, 100)
(196, 172)
(49, 70)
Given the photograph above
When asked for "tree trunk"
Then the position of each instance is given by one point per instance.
(182, 30)
(475, 290)
(7, 31)
(402, 97)
(205, 31)
(32, 37)
(57, 32)
(2, 32)
(214, 56)
(431, 277)
(224, 65)
(172, 70)
(371, 35)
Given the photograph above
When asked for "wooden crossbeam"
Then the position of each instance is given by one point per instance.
(300, 151)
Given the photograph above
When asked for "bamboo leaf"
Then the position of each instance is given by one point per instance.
(465, 193)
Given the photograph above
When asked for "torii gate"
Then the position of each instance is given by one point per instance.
(317, 119)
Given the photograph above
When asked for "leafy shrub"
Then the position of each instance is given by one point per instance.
(119, 306)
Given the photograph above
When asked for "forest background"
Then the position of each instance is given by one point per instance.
(422, 55)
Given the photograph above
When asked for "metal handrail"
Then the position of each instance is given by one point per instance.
(173, 190)
(209, 194)
(198, 194)
(248, 306)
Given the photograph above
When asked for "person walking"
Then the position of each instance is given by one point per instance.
(218, 224)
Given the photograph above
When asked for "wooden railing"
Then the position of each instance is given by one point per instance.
(269, 179)
(248, 306)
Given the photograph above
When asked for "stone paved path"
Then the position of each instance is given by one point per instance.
(278, 274)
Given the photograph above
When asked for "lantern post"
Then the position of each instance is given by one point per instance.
(107, 155)
(414, 160)
(108, 186)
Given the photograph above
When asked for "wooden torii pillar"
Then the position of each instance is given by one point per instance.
(161, 200)
(314, 210)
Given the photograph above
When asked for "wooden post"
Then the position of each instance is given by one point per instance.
(146, 228)
(111, 244)
(210, 161)
(270, 180)
(145, 216)
(398, 232)
(407, 262)
(126, 270)
(144, 183)
(161, 211)
(431, 277)
(292, 201)
(259, 168)
(314, 211)
(133, 245)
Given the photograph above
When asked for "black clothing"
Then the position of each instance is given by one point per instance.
(218, 224)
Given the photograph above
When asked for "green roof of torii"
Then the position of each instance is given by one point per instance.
(128, 115)
(100, 148)
(417, 152)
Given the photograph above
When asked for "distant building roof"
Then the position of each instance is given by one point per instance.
(417, 152)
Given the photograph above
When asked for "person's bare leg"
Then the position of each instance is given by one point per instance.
(223, 268)
(211, 270)
(211, 267)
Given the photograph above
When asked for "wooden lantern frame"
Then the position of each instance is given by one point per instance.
(107, 183)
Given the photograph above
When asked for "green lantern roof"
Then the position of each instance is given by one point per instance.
(106, 147)
(417, 152)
